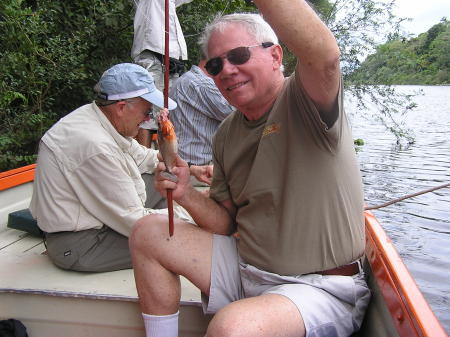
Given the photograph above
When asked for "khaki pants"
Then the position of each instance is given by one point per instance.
(93, 250)
(97, 250)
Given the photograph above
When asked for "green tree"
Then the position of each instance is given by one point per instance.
(421, 60)
(359, 26)
(196, 14)
(51, 52)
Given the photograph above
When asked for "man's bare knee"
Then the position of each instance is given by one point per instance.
(144, 230)
(225, 324)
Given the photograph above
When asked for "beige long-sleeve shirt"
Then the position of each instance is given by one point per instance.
(88, 175)
(149, 29)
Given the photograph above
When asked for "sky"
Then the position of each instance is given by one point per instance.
(425, 14)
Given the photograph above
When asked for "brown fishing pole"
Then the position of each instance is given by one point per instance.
(166, 100)
(368, 208)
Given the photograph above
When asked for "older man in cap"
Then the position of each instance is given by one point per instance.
(88, 189)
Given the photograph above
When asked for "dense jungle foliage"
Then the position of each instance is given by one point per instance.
(53, 52)
(421, 60)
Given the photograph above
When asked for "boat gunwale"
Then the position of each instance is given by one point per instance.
(409, 309)
(16, 177)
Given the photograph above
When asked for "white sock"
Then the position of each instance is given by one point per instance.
(161, 326)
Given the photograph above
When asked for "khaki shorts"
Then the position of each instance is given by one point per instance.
(329, 305)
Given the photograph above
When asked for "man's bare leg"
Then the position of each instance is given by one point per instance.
(261, 316)
(158, 260)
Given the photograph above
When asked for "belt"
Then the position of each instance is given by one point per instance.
(346, 270)
(190, 164)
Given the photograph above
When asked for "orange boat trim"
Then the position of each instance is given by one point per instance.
(17, 176)
(411, 312)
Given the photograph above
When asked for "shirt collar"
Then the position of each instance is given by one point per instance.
(195, 68)
(123, 142)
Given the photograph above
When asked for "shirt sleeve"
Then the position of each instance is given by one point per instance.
(145, 158)
(219, 190)
(328, 137)
(106, 189)
(214, 105)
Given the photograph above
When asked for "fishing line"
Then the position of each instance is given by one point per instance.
(368, 208)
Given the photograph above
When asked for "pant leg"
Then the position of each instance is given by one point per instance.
(154, 198)
(91, 250)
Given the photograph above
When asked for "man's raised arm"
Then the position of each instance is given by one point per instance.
(308, 38)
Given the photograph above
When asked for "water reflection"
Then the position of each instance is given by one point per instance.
(419, 227)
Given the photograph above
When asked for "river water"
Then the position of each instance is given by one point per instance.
(419, 227)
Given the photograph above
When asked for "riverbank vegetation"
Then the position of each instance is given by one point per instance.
(423, 60)
(53, 52)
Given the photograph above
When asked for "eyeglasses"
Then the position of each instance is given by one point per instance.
(236, 56)
(149, 112)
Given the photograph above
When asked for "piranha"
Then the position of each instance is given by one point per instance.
(168, 148)
(167, 143)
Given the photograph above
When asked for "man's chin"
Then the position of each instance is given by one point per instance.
(238, 101)
(134, 135)
(241, 103)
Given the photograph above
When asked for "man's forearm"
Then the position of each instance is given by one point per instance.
(299, 27)
(207, 213)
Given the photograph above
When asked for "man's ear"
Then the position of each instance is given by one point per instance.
(277, 55)
(120, 108)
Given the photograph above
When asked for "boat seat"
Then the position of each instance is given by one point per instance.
(26, 268)
(24, 221)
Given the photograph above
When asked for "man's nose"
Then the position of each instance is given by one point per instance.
(228, 68)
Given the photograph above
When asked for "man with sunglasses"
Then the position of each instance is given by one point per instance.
(88, 191)
(285, 179)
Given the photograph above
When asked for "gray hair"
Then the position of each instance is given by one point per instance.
(99, 100)
(253, 23)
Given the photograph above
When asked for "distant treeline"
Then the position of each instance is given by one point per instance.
(422, 60)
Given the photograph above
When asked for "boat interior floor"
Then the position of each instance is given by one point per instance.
(38, 293)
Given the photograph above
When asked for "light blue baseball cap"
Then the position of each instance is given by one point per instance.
(128, 80)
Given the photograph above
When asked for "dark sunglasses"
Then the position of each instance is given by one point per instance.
(236, 56)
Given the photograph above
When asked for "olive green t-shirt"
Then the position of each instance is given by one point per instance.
(296, 185)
